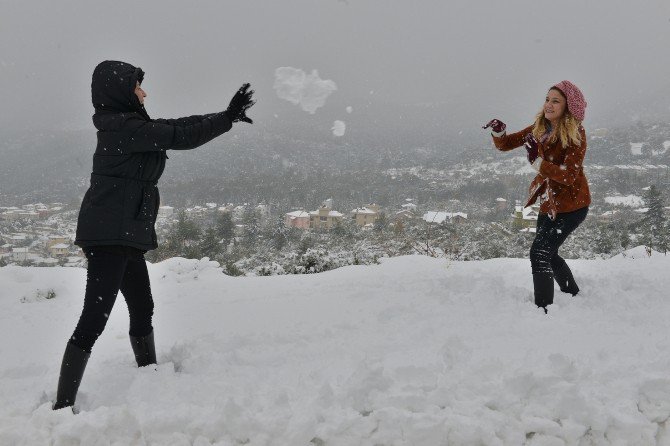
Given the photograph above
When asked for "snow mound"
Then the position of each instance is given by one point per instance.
(638, 253)
(413, 351)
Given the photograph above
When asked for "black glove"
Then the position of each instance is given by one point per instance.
(240, 103)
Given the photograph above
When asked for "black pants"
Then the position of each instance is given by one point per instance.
(549, 236)
(110, 269)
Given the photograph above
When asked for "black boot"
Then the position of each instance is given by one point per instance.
(543, 283)
(71, 372)
(144, 349)
(565, 280)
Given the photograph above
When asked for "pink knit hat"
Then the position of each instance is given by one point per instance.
(576, 101)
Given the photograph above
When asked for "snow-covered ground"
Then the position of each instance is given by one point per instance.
(415, 351)
(625, 200)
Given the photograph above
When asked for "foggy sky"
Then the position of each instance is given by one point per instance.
(471, 60)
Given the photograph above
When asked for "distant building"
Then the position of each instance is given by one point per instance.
(20, 254)
(165, 211)
(238, 211)
(11, 214)
(608, 214)
(263, 212)
(325, 217)
(636, 148)
(30, 215)
(297, 219)
(56, 239)
(438, 217)
(366, 215)
(501, 204)
(196, 211)
(458, 217)
(59, 250)
(405, 214)
(525, 217)
(15, 239)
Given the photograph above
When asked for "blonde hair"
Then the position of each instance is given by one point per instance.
(567, 130)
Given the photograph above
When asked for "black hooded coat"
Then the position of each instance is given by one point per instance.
(121, 204)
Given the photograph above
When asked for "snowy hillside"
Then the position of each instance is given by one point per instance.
(415, 351)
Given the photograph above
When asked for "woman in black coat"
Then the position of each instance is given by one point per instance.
(116, 222)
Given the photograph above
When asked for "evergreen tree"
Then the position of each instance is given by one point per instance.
(381, 223)
(210, 243)
(653, 223)
(278, 233)
(225, 228)
(252, 227)
(398, 227)
(306, 243)
(665, 238)
(183, 234)
(605, 240)
(624, 238)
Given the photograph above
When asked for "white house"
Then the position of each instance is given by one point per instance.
(440, 217)
(59, 249)
(20, 254)
(55, 239)
(501, 203)
(525, 217)
(165, 211)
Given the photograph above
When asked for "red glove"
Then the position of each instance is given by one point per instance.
(496, 125)
(531, 147)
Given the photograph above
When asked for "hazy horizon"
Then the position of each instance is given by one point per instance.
(468, 61)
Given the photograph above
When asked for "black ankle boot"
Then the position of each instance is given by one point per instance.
(144, 349)
(543, 283)
(71, 371)
(566, 281)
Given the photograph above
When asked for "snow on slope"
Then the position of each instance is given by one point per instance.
(625, 200)
(415, 351)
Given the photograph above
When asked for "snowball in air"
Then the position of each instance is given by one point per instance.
(339, 128)
(308, 91)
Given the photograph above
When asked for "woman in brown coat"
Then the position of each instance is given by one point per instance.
(555, 145)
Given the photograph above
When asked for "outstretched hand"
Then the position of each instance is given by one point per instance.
(240, 103)
(496, 125)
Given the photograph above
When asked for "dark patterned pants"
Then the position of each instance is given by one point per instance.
(549, 236)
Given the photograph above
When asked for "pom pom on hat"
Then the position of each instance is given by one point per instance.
(575, 99)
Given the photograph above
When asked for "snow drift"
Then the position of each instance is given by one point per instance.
(415, 351)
